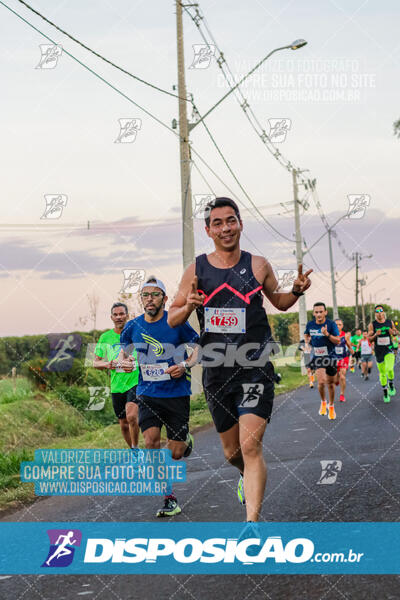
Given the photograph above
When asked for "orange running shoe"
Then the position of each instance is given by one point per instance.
(332, 414)
(322, 410)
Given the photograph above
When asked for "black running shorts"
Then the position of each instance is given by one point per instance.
(171, 412)
(248, 391)
(324, 362)
(119, 399)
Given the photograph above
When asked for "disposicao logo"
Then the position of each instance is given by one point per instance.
(62, 547)
(191, 550)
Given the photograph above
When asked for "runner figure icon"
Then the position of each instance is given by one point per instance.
(62, 549)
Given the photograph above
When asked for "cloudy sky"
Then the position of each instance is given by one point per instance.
(59, 127)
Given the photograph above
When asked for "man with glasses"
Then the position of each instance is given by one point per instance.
(323, 335)
(123, 385)
(163, 390)
(381, 331)
(226, 289)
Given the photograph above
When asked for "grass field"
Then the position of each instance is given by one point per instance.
(30, 420)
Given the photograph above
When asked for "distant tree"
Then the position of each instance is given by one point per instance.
(282, 332)
(396, 127)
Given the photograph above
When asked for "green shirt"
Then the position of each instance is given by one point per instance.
(109, 347)
(354, 340)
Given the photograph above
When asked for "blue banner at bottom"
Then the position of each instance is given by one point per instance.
(199, 548)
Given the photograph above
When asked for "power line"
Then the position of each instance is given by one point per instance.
(238, 182)
(151, 115)
(93, 72)
(106, 60)
(197, 18)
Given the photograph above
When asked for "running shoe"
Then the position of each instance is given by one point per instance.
(366, 378)
(311, 386)
(240, 490)
(391, 390)
(170, 507)
(342, 398)
(250, 531)
(138, 453)
(189, 443)
(332, 414)
(352, 370)
(322, 409)
(386, 397)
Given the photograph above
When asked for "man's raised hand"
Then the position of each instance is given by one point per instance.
(302, 282)
(194, 299)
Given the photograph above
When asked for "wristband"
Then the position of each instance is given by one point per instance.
(184, 364)
(297, 294)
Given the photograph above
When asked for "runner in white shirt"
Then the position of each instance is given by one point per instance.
(365, 347)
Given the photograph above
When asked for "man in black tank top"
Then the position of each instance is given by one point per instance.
(225, 288)
(380, 332)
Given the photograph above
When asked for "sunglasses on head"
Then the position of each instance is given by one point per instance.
(379, 310)
(152, 294)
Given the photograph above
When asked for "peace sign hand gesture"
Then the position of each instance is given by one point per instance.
(194, 299)
(302, 282)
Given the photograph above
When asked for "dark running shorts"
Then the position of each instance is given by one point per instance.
(250, 391)
(307, 360)
(171, 412)
(324, 362)
(120, 399)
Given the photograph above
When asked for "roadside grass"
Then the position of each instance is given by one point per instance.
(42, 420)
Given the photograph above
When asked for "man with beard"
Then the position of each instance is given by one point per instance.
(163, 391)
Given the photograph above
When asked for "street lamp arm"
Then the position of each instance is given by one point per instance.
(324, 234)
(193, 125)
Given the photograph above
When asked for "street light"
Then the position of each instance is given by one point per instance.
(297, 44)
(293, 46)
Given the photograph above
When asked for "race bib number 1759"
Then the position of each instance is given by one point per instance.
(225, 320)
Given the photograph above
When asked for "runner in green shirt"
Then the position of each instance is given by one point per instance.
(123, 385)
(356, 357)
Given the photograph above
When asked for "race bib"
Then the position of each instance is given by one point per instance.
(321, 351)
(383, 341)
(119, 369)
(339, 350)
(225, 320)
(155, 372)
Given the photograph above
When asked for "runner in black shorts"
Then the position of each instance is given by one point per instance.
(226, 288)
(123, 385)
(305, 349)
(323, 335)
(163, 390)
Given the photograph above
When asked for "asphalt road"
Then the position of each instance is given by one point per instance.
(365, 437)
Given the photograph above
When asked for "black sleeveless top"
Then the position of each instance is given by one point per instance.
(383, 343)
(232, 312)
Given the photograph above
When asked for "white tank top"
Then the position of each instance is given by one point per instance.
(365, 347)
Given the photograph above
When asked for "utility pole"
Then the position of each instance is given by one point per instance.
(186, 188)
(370, 308)
(356, 257)
(184, 148)
(362, 283)
(334, 300)
(299, 252)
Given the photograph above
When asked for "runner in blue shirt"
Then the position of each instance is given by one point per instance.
(163, 390)
(323, 335)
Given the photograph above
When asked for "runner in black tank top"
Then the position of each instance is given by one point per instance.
(225, 287)
(232, 313)
(380, 332)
